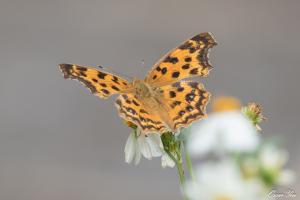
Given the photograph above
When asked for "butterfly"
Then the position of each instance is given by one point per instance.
(163, 101)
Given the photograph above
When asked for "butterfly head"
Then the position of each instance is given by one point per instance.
(142, 89)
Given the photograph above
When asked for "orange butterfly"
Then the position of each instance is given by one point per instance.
(161, 102)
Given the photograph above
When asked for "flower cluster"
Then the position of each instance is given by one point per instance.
(236, 162)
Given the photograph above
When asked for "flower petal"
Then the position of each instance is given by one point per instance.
(138, 156)
(130, 148)
(155, 144)
(144, 147)
(166, 161)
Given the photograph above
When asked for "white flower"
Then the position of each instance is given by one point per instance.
(223, 132)
(273, 157)
(272, 160)
(286, 177)
(148, 146)
(139, 144)
(166, 161)
(221, 181)
(131, 148)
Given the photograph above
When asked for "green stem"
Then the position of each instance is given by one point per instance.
(189, 162)
(179, 165)
(180, 171)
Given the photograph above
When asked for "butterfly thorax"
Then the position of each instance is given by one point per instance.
(142, 90)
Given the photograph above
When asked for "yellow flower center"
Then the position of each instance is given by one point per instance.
(221, 104)
(223, 197)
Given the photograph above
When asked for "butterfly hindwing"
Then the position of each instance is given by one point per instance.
(187, 101)
(100, 83)
(188, 60)
(131, 109)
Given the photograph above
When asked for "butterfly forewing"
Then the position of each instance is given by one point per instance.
(100, 83)
(188, 60)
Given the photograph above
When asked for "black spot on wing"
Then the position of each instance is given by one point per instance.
(115, 79)
(106, 92)
(103, 84)
(175, 103)
(128, 101)
(175, 74)
(189, 108)
(172, 60)
(115, 88)
(180, 89)
(101, 75)
(194, 71)
(172, 94)
(164, 70)
(83, 69)
(135, 103)
(185, 66)
(192, 50)
(188, 59)
(181, 113)
(189, 97)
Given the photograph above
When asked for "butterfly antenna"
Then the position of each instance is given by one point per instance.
(114, 72)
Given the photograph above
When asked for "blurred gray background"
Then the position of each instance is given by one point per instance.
(59, 142)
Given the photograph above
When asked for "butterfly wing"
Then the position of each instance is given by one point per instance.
(188, 60)
(187, 101)
(100, 83)
(131, 109)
